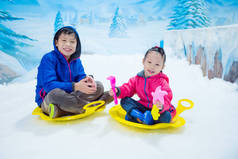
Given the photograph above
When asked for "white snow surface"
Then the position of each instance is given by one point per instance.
(210, 130)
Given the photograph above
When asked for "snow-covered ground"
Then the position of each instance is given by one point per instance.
(210, 132)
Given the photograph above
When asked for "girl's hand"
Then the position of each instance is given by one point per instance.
(159, 105)
(111, 92)
(86, 86)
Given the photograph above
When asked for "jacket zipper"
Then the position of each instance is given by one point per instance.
(68, 66)
(146, 94)
(69, 71)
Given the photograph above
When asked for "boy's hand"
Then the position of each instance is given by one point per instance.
(90, 81)
(86, 85)
(111, 92)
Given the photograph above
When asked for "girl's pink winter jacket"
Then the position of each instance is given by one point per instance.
(144, 86)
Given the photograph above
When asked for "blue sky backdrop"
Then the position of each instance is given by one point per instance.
(222, 12)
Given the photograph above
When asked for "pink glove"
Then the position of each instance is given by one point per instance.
(158, 95)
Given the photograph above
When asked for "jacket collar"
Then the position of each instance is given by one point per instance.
(60, 55)
(141, 74)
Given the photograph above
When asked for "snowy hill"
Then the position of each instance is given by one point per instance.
(210, 131)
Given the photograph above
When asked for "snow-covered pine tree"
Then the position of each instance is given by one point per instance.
(58, 22)
(118, 26)
(74, 20)
(189, 14)
(177, 15)
(91, 18)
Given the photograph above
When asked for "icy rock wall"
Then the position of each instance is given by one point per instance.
(215, 49)
(10, 68)
(6, 74)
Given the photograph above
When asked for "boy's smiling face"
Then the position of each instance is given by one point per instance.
(66, 44)
(153, 63)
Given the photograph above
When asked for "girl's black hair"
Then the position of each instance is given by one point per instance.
(160, 50)
(70, 30)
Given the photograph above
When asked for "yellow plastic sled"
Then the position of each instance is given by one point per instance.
(89, 109)
(118, 113)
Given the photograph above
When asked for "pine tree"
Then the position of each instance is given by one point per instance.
(189, 14)
(91, 21)
(11, 42)
(118, 26)
(58, 21)
(74, 20)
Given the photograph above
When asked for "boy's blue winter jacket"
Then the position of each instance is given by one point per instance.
(55, 71)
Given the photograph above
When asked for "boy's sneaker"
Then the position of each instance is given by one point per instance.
(55, 111)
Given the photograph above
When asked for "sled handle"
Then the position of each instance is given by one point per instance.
(181, 107)
(90, 107)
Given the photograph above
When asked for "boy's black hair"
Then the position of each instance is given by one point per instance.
(70, 30)
(160, 50)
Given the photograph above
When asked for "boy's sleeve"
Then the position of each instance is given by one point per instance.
(168, 97)
(49, 77)
(128, 89)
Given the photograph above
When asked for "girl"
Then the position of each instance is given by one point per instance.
(143, 84)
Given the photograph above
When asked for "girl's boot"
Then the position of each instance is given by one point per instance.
(145, 118)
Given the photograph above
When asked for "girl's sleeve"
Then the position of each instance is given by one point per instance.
(49, 76)
(168, 97)
(128, 89)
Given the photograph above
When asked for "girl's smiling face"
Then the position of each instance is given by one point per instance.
(66, 44)
(153, 63)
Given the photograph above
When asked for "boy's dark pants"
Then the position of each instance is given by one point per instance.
(128, 104)
(71, 102)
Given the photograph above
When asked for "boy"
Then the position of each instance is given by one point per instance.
(62, 87)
